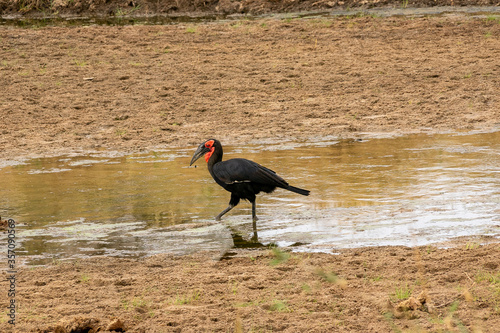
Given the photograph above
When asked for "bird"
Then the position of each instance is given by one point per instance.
(243, 178)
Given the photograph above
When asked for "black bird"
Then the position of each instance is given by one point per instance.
(242, 177)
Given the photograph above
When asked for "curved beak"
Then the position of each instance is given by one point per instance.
(202, 150)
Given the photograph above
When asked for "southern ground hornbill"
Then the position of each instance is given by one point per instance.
(242, 177)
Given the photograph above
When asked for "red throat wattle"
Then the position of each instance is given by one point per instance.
(209, 144)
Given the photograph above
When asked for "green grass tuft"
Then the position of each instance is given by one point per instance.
(402, 292)
(279, 256)
(280, 306)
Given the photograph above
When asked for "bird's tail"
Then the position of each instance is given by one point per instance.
(298, 190)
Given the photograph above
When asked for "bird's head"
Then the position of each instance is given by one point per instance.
(207, 148)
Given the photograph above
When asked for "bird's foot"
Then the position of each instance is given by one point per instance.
(217, 218)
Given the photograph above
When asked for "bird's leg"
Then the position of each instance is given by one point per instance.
(217, 218)
(254, 216)
(255, 238)
(232, 203)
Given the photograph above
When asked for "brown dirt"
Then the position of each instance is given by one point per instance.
(140, 87)
(384, 289)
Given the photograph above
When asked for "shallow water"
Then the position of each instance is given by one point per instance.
(411, 190)
(166, 19)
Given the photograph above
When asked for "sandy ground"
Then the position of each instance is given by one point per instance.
(139, 87)
(385, 289)
(66, 89)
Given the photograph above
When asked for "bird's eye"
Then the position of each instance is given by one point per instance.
(209, 143)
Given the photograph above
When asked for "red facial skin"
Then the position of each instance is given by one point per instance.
(209, 144)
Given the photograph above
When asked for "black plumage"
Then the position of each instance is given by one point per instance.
(243, 178)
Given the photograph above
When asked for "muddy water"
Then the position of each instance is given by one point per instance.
(411, 190)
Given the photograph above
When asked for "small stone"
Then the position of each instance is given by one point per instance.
(116, 325)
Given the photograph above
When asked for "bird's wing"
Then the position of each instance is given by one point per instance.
(239, 170)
